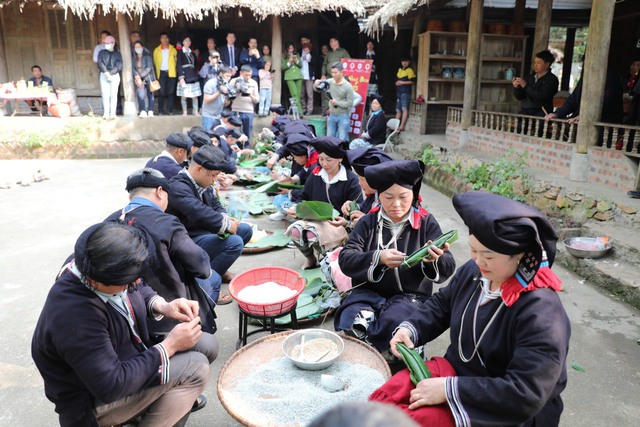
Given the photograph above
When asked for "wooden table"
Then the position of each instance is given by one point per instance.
(268, 348)
(39, 99)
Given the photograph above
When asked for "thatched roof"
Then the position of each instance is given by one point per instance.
(198, 9)
(388, 14)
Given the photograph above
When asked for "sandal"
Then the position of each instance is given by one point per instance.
(224, 299)
(200, 403)
(634, 194)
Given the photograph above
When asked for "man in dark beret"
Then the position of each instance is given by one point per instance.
(175, 153)
(194, 202)
(92, 345)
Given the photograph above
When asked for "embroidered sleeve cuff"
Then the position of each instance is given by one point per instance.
(453, 399)
(150, 310)
(372, 276)
(163, 369)
(411, 328)
(425, 267)
(225, 224)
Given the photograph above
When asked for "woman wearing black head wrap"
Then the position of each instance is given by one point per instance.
(384, 295)
(330, 182)
(375, 131)
(506, 364)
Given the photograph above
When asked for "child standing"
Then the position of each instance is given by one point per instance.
(266, 85)
(406, 78)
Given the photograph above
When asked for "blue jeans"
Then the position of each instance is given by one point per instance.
(224, 252)
(338, 126)
(109, 91)
(209, 122)
(145, 97)
(265, 102)
(247, 124)
(211, 285)
(402, 101)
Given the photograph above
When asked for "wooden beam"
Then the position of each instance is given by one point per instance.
(518, 12)
(595, 73)
(543, 27)
(473, 63)
(4, 72)
(418, 28)
(129, 107)
(568, 58)
(276, 52)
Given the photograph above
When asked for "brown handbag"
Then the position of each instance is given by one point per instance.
(154, 85)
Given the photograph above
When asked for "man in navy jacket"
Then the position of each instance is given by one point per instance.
(91, 343)
(194, 202)
(170, 161)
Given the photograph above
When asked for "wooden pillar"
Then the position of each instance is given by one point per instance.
(4, 73)
(568, 58)
(472, 74)
(418, 26)
(518, 12)
(129, 106)
(276, 52)
(595, 73)
(543, 27)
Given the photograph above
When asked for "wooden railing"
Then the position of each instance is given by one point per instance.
(619, 137)
(535, 126)
(454, 114)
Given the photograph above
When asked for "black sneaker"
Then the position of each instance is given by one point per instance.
(634, 194)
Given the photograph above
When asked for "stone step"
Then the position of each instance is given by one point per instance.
(618, 277)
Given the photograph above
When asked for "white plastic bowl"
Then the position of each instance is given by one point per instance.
(310, 334)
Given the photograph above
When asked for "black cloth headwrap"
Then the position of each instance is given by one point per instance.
(378, 98)
(509, 227)
(124, 275)
(220, 131)
(199, 138)
(360, 158)
(298, 144)
(209, 165)
(235, 121)
(331, 146)
(405, 173)
(278, 109)
(235, 133)
(147, 179)
(180, 140)
(226, 113)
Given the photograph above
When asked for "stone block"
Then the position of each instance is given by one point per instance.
(575, 197)
(562, 202)
(552, 193)
(541, 203)
(603, 206)
(627, 209)
(603, 216)
(588, 203)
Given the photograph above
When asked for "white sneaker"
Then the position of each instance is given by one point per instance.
(150, 114)
(143, 114)
(278, 216)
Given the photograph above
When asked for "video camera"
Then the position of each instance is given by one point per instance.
(243, 87)
(231, 92)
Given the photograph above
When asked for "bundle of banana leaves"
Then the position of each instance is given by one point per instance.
(423, 252)
(313, 210)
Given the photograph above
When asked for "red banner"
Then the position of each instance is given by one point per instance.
(358, 72)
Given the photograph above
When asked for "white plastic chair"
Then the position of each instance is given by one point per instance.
(393, 125)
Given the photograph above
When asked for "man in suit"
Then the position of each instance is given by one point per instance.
(230, 53)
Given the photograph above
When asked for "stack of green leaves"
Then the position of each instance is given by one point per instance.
(277, 239)
(313, 210)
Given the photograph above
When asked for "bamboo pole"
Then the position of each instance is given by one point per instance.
(4, 73)
(276, 54)
(543, 27)
(595, 73)
(472, 76)
(129, 106)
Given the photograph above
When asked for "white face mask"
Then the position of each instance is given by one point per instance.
(109, 46)
(139, 51)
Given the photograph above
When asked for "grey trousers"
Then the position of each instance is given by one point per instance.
(306, 96)
(168, 404)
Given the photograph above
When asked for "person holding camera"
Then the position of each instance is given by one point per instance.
(292, 67)
(266, 89)
(341, 96)
(251, 56)
(216, 96)
(211, 69)
(247, 97)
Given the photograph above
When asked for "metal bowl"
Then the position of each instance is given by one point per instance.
(586, 247)
(310, 334)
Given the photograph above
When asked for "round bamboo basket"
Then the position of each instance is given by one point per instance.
(496, 28)
(457, 27)
(435, 25)
(263, 351)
